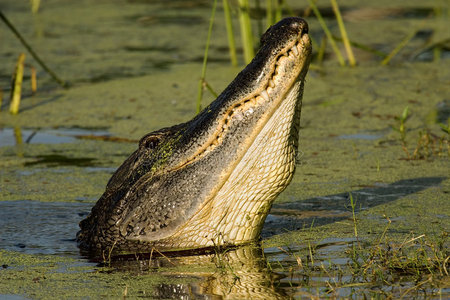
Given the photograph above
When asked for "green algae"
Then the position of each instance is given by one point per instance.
(39, 277)
(130, 93)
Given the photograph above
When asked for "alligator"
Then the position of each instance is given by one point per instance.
(211, 181)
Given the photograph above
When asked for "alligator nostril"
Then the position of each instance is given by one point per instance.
(305, 28)
(300, 24)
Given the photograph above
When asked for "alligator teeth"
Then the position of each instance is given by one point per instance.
(295, 50)
(265, 95)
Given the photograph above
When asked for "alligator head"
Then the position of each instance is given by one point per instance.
(212, 180)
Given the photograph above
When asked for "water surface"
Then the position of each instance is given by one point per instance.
(134, 68)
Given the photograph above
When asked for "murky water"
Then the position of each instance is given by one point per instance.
(134, 68)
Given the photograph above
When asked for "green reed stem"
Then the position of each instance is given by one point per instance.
(399, 47)
(321, 51)
(230, 33)
(205, 59)
(210, 89)
(35, 6)
(278, 11)
(348, 48)
(31, 51)
(269, 13)
(327, 32)
(362, 47)
(246, 30)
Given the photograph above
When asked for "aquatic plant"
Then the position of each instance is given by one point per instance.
(27, 46)
(368, 266)
(427, 145)
(202, 82)
(348, 48)
(230, 33)
(327, 32)
(246, 30)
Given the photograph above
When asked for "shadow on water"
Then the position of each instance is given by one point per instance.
(29, 105)
(332, 208)
(62, 160)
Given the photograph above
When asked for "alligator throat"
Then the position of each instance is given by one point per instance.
(212, 180)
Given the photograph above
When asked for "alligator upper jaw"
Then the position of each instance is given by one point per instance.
(282, 60)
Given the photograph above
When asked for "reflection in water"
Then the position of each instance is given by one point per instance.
(239, 273)
(19, 142)
(19, 136)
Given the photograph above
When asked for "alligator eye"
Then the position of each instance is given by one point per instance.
(149, 142)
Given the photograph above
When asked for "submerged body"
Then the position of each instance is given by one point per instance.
(212, 180)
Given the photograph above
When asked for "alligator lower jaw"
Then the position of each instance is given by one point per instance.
(234, 217)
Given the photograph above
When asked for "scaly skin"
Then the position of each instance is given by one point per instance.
(212, 180)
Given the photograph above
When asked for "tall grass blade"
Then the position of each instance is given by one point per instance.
(348, 48)
(230, 33)
(327, 32)
(246, 30)
(205, 59)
